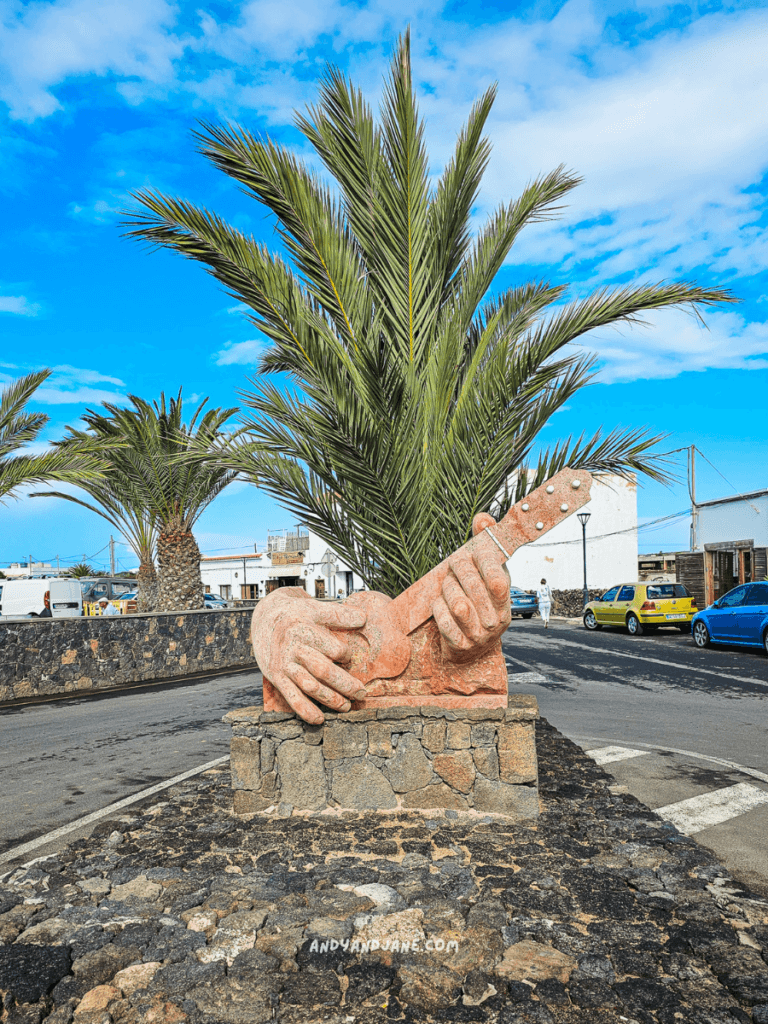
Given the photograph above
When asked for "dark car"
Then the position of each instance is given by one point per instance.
(739, 617)
(522, 602)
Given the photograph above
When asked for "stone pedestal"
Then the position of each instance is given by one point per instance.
(473, 760)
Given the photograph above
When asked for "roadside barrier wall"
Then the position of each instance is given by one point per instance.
(570, 603)
(40, 657)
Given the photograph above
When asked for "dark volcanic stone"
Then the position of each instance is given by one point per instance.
(309, 989)
(368, 979)
(8, 901)
(749, 988)
(591, 992)
(640, 992)
(28, 972)
(178, 979)
(552, 992)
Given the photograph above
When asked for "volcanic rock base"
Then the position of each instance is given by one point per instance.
(480, 760)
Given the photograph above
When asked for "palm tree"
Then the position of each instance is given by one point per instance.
(81, 570)
(156, 489)
(19, 428)
(415, 394)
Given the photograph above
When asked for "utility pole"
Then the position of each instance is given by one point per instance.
(583, 518)
(111, 555)
(692, 493)
(57, 565)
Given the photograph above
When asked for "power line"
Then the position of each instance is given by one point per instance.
(653, 524)
(743, 496)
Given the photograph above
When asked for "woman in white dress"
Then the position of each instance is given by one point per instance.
(544, 596)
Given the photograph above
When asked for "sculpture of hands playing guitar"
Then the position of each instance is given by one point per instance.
(436, 643)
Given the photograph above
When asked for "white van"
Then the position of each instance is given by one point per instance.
(23, 599)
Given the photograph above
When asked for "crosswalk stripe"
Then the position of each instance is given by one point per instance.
(713, 808)
(604, 755)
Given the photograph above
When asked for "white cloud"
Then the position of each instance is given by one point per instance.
(246, 353)
(18, 304)
(674, 342)
(86, 376)
(43, 44)
(71, 385)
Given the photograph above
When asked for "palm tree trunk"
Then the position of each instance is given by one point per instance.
(147, 595)
(180, 586)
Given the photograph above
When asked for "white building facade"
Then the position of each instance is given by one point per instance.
(611, 544)
(292, 559)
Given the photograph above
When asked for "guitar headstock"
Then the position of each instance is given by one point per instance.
(542, 509)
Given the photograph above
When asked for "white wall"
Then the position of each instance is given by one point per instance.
(229, 572)
(558, 556)
(734, 520)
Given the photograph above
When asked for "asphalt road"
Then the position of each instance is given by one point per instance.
(668, 708)
(684, 730)
(65, 759)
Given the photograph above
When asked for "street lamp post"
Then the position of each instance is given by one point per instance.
(583, 519)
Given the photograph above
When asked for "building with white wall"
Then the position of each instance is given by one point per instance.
(611, 543)
(730, 541)
(292, 559)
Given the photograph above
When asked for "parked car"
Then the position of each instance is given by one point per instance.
(641, 606)
(215, 601)
(522, 602)
(739, 617)
(24, 599)
(111, 587)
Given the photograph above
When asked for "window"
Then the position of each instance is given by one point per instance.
(122, 588)
(661, 591)
(734, 598)
(610, 595)
(226, 591)
(249, 591)
(626, 594)
(757, 593)
(99, 590)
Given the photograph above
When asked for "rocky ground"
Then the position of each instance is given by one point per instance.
(597, 913)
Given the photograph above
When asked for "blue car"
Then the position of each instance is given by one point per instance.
(523, 603)
(739, 617)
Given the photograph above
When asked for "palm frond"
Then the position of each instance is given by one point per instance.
(416, 395)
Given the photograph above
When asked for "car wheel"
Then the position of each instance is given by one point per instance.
(765, 641)
(528, 615)
(701, 634)
(634, 626)
(590, 622)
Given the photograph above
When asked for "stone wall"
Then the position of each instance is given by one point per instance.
(570, 603)
(478, 759)
(50, 656)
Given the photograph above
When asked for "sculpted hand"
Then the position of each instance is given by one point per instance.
(298, 652)
(473, 610)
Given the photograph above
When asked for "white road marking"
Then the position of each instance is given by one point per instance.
(605, 755)
(700, 812)
(684, 753)
(88, 819)
(559, 642)
(526, 678)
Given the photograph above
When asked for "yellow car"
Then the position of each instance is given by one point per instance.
(641, 606)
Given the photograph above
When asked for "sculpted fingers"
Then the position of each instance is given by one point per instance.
(315, 689)
(295, 699)
(339, 616)
(473, 585)
(481, 521)
(450, 631)
(323, 669)
(496, 580)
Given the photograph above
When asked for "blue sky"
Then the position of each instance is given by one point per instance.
(661, 108)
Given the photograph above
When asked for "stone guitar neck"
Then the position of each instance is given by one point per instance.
(539, 512)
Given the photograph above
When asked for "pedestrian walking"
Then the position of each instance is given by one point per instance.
(544, 597)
